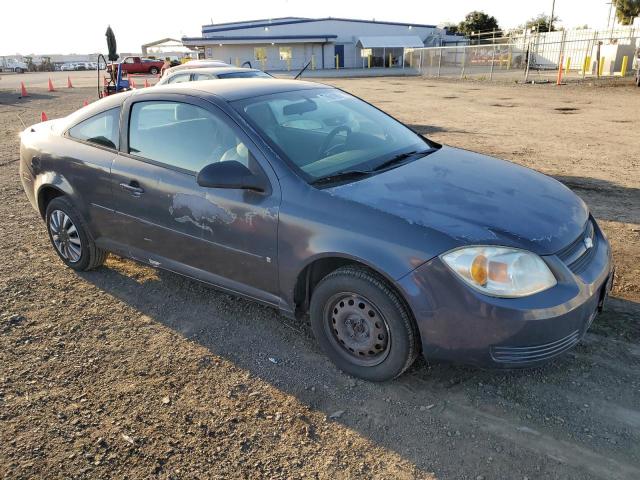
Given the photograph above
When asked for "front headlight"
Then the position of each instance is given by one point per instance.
(500, 271)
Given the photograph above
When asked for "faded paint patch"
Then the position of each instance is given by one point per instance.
(199, 211)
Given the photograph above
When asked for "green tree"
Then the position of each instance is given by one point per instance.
(451, 27)
(477, 22)
(541, 23)
(626, 10)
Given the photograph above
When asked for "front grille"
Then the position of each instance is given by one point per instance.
(577, 256)
(534, 353)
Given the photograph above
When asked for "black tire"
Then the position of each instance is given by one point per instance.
(344, 331)
(90, 255)
(638, 78)
(153, 71)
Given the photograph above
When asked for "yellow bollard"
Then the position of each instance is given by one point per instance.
(313, 62)
(566, 68)
(288, 64)
(587, 63)
(263, 61)
(390, 60)
(625, 63)
(601, 67)
(369, 61)
(337, 62)
(509, 61)
(237, 62)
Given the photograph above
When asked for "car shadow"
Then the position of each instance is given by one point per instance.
(13, 98)
(418, 415)
(607, 200)
(423, 129)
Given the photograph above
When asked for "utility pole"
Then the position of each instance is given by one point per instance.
(553, 9)
(609, 16)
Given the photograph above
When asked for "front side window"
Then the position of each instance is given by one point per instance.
(260, 53)
(325, 132)
(101, 129)
(183, 135)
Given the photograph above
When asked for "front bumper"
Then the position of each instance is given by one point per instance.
(459, 324)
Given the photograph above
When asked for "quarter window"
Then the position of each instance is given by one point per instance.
(183, 135)
(101, 129)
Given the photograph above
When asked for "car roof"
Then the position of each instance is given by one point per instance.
(214, 70)
(234, 88)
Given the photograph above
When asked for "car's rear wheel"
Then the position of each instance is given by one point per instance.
(153, 71)
(70, 237)
(362, 325)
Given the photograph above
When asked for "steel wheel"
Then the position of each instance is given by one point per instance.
(357, 328)
(65, 236)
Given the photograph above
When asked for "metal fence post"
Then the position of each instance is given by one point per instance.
(464, 61)
(439, 62)
(493, 56)
(421, 50)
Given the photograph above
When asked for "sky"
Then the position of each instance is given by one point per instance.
(75, 26)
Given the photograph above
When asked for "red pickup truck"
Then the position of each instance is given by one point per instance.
(140, 65)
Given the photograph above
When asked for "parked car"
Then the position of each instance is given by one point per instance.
(310, 200)
(197, 64)
(198, 74)
(8, 64)
(68, 67)
(140, 65)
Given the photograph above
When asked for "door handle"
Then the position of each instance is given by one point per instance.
(133, 188)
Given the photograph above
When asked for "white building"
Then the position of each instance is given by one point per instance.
(291, 42)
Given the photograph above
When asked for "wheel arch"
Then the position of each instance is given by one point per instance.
(45, 194)
(318, 267)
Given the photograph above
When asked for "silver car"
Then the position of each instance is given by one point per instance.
(197, 74)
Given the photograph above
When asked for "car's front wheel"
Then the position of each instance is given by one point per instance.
(362, 325)
(70, 237)
(153, 71)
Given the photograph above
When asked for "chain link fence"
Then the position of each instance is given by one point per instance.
(580, 54)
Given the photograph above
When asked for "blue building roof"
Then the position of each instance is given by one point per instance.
(222, 27)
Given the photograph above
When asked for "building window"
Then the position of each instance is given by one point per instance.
(366, 52)
(260, 53)
(285, 53)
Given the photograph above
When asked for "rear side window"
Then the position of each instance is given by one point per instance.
(180, 78)
(101, 129)
(203, 76)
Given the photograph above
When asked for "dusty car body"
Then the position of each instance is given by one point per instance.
(376, 241)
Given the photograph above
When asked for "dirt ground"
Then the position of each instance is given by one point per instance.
(128, 372)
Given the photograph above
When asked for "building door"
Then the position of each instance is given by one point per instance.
(339, 50)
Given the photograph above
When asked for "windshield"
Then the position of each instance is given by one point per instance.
(249, 74)
(325, 132)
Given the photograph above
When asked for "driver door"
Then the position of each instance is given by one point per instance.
(223, 236)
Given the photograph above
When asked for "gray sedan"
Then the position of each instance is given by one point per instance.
(305, 198)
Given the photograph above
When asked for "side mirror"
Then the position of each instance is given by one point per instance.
(230, 174)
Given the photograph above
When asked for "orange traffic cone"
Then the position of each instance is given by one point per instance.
(23, 90)
(43, 117)
(85, 103)
(69, 82)
(132, 83)
(146, 83)
(51, 89)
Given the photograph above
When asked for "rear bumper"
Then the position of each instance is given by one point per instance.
(459, 324)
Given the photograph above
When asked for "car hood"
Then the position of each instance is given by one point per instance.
(475, 199)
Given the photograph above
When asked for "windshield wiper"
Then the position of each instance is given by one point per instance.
(340, 176)
(396, 159)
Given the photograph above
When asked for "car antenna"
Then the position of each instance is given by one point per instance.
(302, 71)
